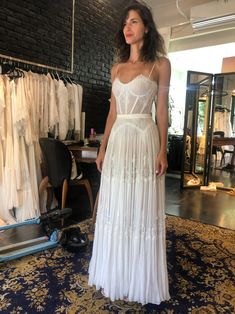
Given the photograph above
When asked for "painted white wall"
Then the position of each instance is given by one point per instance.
(207, 59)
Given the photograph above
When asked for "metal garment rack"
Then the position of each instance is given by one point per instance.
(13, 60)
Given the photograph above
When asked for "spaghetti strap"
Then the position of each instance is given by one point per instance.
(152, 69)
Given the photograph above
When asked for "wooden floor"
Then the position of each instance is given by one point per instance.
(215, 208)
(227, 177)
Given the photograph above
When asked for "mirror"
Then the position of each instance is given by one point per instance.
(223, 141)
(196, 129)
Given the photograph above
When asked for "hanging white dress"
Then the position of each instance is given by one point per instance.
(2, 107)
(9, 189)
(2, 140)
(53, 109)
(2, 127)
(24, 157)
(63, 109)
(78, 91)
(129, 251)
(71, 105)
(222, 123)
(44, 120)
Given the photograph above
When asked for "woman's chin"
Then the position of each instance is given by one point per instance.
(128, 41)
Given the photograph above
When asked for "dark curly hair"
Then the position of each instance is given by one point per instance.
(153, 46)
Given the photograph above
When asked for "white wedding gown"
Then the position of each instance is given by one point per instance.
(129, 250)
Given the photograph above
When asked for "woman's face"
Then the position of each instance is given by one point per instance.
(134, 28)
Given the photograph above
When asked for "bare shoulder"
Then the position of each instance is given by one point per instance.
(164, 63)
(162, 71)
(114, 70)
(162, 68)
(114, 67)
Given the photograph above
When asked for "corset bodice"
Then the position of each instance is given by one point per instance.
(135, 96)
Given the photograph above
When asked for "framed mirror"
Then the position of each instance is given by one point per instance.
(222, 164)
(197, 130)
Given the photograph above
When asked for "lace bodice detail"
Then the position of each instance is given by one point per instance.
(135, 96)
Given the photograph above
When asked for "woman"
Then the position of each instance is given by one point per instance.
(129, 254)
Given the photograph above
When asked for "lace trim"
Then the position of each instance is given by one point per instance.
(131, 230)
(133, 171)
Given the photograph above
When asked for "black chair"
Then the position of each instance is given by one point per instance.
(217, 149)
(226, 151)
(56, 169)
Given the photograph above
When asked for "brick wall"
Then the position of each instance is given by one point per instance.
(39, 31)
(95, 29)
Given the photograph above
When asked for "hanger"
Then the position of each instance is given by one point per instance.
(57, 76)
(69, 79)
(14, 72)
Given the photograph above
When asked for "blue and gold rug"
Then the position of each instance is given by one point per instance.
(201, 263)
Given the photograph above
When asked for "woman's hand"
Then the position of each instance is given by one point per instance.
(161, 163)
(100, 159)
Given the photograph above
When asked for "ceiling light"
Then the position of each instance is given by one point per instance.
(213, 22)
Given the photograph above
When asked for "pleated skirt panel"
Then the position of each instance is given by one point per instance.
(129, 250)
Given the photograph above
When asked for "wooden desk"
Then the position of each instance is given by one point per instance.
(222, 141)
(84, 153)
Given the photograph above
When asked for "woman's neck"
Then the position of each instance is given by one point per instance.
(133, 61)
(135, 54)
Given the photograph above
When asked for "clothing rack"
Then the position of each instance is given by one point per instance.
(16, 69)
(34, 105)
(28, 65)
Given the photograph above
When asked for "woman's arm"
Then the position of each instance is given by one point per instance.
(109, 123)
(164, 73)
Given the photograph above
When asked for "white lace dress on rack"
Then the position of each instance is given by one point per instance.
(129, 251)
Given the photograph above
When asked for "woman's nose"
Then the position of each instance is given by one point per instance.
(127, 26)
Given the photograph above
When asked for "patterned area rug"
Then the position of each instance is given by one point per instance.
(201, 263)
